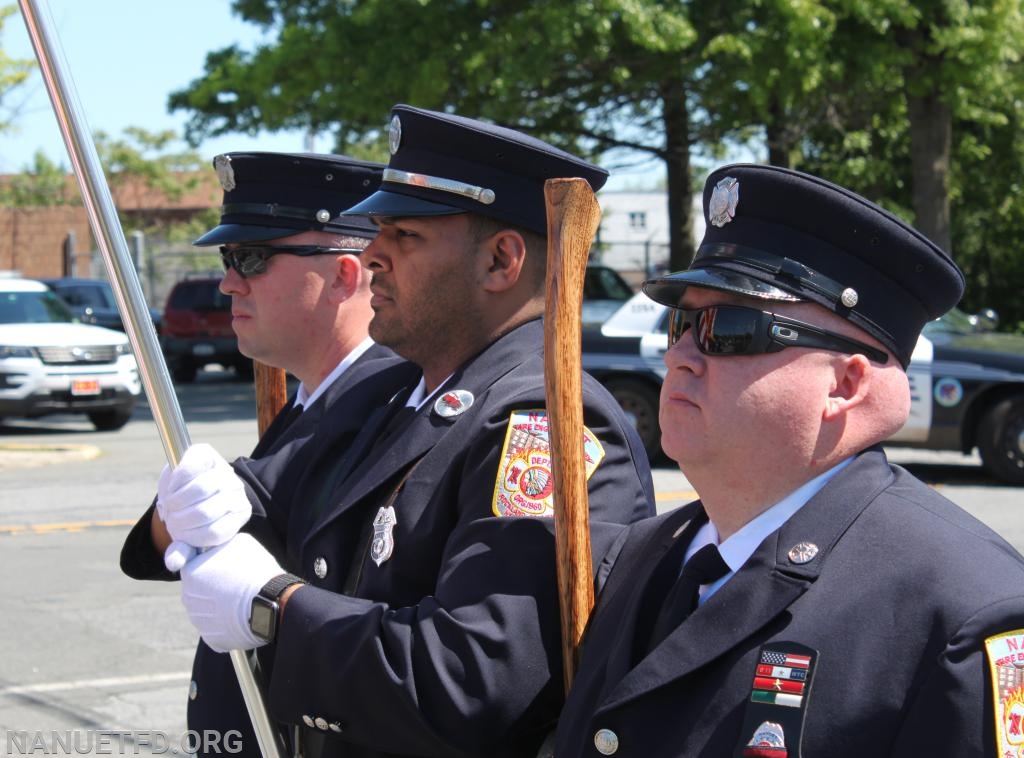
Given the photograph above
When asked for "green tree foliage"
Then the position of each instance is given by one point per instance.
(13, 73)
(913, 103)
(44, 183)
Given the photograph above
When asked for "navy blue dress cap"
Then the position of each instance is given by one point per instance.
(442, 164)
(271, 195)
(777, 234)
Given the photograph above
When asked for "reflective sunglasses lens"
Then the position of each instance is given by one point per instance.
(676, 325)
(725, 330)
(247, 261)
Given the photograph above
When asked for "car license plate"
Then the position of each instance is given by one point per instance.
(85, 387)
(202, 349)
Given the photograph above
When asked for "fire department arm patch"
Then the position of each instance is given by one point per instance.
(1006, 665)
(524, 484)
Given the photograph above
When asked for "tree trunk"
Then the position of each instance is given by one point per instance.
(931, 139)
(677, 165)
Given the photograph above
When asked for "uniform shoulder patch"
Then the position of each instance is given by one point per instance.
(1006, 665)
(524, 484)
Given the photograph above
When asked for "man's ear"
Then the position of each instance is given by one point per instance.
(505, 257)
(852, 381)
(345, 282)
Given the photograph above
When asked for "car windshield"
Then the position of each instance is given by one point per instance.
(605, 284)
(96, 295)
(952, 322)
(33, 308)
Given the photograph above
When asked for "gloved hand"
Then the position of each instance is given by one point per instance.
(217, 588)
(201, 502)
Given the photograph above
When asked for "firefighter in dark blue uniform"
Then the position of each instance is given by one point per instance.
(816, 600)
(301, 298)
(415, 609)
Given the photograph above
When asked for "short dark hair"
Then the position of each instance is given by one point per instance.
(482, 227)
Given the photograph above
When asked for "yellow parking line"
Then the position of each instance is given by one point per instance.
(66, 526)
(664, 497)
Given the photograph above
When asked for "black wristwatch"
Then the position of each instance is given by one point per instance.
(265, 609)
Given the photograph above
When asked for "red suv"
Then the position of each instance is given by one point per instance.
(197, 329)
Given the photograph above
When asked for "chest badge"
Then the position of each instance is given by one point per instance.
(773, 720)
(383, 544)
(453, 403)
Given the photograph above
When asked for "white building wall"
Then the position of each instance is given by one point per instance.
(634, 230)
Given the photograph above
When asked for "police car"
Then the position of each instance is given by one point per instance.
(966, 382)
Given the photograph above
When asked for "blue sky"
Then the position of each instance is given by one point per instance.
(126, 57)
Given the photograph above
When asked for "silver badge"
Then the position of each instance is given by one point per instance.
(768, 735)
(323, 216)
(803, 552)
(383, 540)
(849, 297)
(395, 134)
(724, 199)
(225, 173)
(453, 403)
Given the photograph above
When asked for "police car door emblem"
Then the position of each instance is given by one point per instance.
(453, 403)
(383, 540)
(225, 172)
(723, 202)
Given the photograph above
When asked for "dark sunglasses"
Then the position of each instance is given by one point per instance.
(250, 260)
(735, 330)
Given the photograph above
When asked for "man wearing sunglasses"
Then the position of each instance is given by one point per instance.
(421, 617)
(301, 302)
(816, 600)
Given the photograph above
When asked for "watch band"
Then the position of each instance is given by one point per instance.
(272, 590)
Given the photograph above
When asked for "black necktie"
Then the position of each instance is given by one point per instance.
(704, 567)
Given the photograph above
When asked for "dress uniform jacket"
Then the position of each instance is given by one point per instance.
(277, 462)
(891, 613)
(442, 639)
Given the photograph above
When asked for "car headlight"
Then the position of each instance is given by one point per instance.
(16, 351)
(125, 348)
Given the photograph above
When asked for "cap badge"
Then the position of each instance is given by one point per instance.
(453, 403)
(323, 216)
(395, 134)
(803, 552)
(724, 199)
(225, 173)
(383, 540)
(849, 297)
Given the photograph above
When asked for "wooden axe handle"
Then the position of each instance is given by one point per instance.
(573, 216)
(271, 393)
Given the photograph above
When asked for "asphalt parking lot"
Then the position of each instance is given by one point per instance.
(85, 648)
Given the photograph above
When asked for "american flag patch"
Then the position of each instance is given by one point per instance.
(781, 678)
(785, 659)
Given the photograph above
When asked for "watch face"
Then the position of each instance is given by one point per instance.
(263, 618)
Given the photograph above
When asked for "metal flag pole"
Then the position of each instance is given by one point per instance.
(131, 304)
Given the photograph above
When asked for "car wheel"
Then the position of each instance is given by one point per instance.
(183, 372)
(109, 421)
(640, 402)
(1001, 440)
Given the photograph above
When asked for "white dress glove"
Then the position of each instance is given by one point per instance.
(217, 588)
(202, 503)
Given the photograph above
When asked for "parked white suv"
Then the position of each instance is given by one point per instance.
(49, 363)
